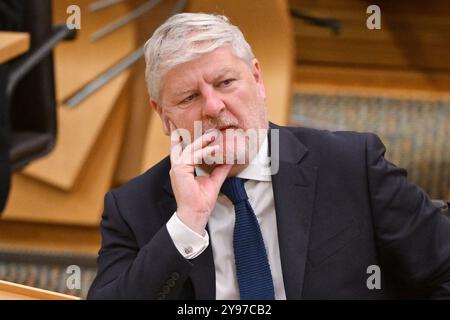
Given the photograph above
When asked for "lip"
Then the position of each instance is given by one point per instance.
(226, 127)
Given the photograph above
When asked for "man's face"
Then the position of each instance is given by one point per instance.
(218, 89)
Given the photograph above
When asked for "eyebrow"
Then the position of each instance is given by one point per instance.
(182, 92)
(222, 72)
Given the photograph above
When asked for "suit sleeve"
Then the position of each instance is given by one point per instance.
(125, 271)
(413, 235)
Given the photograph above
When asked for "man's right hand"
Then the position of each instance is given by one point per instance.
(195, 195)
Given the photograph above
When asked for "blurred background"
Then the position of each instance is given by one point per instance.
(75, 120)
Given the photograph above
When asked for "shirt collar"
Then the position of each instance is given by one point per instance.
(258, 169)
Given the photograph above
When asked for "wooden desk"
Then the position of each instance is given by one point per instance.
(14, 291)
(13, 44)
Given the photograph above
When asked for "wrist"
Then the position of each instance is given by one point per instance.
(196, 222)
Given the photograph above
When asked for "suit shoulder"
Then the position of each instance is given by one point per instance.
(325, 138)
(342, 146)
(150, 182)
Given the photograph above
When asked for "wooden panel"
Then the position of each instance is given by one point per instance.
(34, 200)
(78, 131)
(13, 44)
(408, 82)
(414, 34)
(130, 157)
(14, 291)
(56, 239)
(76, 63)
(431, 31)
(266, 24)
(373, 53)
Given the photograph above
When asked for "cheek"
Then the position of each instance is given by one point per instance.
(261, 91)
(242, 101)
(247, 104)
(184, 118)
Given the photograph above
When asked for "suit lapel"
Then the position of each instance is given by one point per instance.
(203, 271)
(294, 189)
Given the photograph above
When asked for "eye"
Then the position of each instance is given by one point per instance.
(189, 98)
(226, 82)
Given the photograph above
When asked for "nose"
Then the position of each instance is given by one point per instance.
(213, 104)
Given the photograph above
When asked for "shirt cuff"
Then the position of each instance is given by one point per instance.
(188, 242)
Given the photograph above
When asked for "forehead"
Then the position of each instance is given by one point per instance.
(204, 68)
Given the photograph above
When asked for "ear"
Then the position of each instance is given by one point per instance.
(256, 71)
(165, 121)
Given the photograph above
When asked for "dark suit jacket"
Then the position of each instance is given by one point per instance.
(340, 207)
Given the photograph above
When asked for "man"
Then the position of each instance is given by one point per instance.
(208, 222)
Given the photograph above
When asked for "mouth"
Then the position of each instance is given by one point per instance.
(224, 128)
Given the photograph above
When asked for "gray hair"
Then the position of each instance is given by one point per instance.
(184, 37)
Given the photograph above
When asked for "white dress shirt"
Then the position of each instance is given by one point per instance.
(221, 226)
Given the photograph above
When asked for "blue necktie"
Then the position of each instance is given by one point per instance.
(252, 265)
